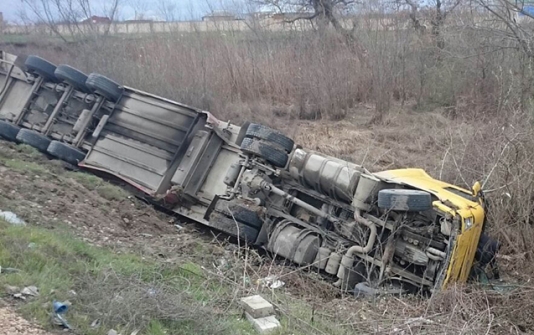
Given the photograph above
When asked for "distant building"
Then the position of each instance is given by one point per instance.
(1, 21)
(290, 16)
(139, 21)
(261, 15)
(220, 16)
(97, 19)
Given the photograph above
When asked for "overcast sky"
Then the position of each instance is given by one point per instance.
(181, 9)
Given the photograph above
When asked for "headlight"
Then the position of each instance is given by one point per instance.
(468, 223)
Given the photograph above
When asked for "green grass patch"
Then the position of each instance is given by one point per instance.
(93, 183)
(124, 291)
(25, 167)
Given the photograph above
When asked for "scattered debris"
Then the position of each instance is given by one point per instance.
(8, 270)
(73, 293)
(95, 324)
(59, 320)
(270, 282)
(32, 245)
(257, 306)
(17, 293)
(19, 296)
(264, 325)
(222, 265)
(112, 332)
(30, 290)
(12, 218)
(260, 313)
(60, 308)
(12, 289)
(362, 290)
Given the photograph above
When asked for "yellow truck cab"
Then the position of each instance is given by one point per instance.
(467, 206)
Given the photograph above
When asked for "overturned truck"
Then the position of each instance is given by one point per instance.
(398, 227)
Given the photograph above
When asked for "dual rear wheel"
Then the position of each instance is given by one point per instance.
(268, 144)
(93, 83)
(60, 150)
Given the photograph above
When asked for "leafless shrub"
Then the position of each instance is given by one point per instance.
(133, 302)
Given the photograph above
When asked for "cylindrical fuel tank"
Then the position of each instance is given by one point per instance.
(294, 243)
(327, 175)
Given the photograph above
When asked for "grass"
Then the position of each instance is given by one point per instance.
(116, 288)
(58, 263)
(103, 188)
(27, 160)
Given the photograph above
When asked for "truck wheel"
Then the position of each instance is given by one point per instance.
(72, 76)
(65, 152)
(404, 200)
(34, 139)
(357, 274)
(231, 227)
(105, 86)
(8, 131)
(240, 212)
(262, 132)
(42, 67)
(271, 154)
(242, 133)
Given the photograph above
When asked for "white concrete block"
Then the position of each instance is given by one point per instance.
(257, 307)
(265, 325)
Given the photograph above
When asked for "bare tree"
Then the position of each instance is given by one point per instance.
(325, 13)
(167, 9)
(63, 17)
(438, 12)
(512, 26)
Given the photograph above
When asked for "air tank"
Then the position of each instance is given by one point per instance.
(327, 175)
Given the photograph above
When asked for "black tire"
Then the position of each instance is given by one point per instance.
(242, 133)
(8, 131)
(262, 132)
(233, 228)
(105, 86)
(65, 152)
(358, 274)
(240, 212)
(34, 139)
(270, 153)
(72, 76)
(404, 200)
(42, 67)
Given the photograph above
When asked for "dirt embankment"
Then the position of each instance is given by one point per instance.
(43, 192)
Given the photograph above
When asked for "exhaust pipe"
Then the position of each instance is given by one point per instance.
(348, 259)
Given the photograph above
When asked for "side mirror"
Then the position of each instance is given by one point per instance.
(476, 188)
